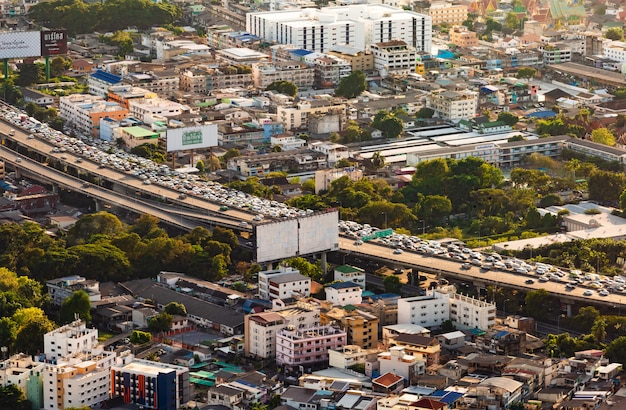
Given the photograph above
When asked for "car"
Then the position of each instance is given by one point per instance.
(466, 266)
(79, 160)
(30, 137)
(543, 279)
(182, 196)
(397, 251)
(12, 132)
(603, 293)
(358, 242)
(529, 281)
(63, 157)
(521, 270)
(18, 159)
(243, 223)
(223, 208)
(587, 293)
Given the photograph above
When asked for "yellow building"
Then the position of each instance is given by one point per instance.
(462, 37)
(447, 13)
(360, 326)
(359, 60)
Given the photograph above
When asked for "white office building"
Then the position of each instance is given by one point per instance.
(344, 293)
(453, 105)
(149, 110)
(69, 339)
(284, 282)
(357, 25)
(394, 57)
(469, 313)
(615, 50)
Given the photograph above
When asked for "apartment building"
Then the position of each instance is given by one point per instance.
(324, 177)
(260, 328)
(615, 50)
(203, 79)
(100, 82)
(62, 288)
(162, 81)
(287, 142)
(470, 313)
(359, 60)
(307, 347)
(349, 355)
(397, 361)
(334, 152)
(297, 116)
(150, 109)
(123, 94)
(84, 112)
(347, 273)
(343, 293)
(289, 161)
(282, 283)
(361, 327)
(230, 132)
(462, 37)
(69, 339)
(430, 310)
(152, 385)
(556, 54)
(453, 105)
(425, 348)
(328, 69)
(264, 74)
(20, 370)
(394, 57)
(356, 26)
(444, 12)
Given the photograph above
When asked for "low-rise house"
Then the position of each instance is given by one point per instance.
(398, 362)
(343, 293)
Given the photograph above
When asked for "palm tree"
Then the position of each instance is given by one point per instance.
(377, 160)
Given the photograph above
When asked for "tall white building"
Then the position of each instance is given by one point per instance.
(284, 282)
(615, 50)
(68, 340)
(357, 25)
(444, 304)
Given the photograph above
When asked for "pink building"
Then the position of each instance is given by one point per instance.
(307, 346)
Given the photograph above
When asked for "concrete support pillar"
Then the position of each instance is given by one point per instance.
(324, 263)
(18, 173)
(568, 309)
(98, 205)
(55, 188)
(270, 266)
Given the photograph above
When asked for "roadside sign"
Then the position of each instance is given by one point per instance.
(378, 234)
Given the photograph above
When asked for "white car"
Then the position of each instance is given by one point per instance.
(397, 251)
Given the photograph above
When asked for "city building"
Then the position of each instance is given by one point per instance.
(324, 177)
(347, 273)
(204, 79)
(343, 293)
(123, 94)
(153, 385)
(100, 81)
(359, 60)
(62, 288)
(355, 26)
(162, 81)
(467, 312)
(69, 339)
(334, 152)
(344, 357)
(397, 361)
(394, 57)
(297, 116)
(84, 112)
(307, 347)
(282, 283)
(556, 54)
(138, 135)
(494, 391)
(150, 110)
(264, 74)
(425, 348)
(453, 105)
(444, 12)
(430, 310)
(361, 327)
(287, 142)
(289, 161)
(615, 50)
(328, 70)
(462, 37)
(20, 370)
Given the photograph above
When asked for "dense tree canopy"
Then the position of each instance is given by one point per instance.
(284, 87)
(78, 303)
(79, 17)
(352, 85)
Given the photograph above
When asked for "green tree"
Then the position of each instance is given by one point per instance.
(535, 303)
(99, 223)
(101, 261)
(30, 74)
(616, 350)
(605, 186)
(137, 337)
(29, 336)
(78, 303)
(58, 65)
(305, 267)
(391, 127)
(622, 200)
(175, 308)
(284, 87)
(352, 86)
(526, 72)
(11, 397)
(603, 136)
(508, 118)
(200, 166)
(161, 322)
(598, 330)
(392, 284)
(512, 21)
(615, 33)
(425, 112)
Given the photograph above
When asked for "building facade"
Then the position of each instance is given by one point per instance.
(453, 105)
(264, 74)
(307, 347)
(394, 57)
(282, 283)
(448, 13)
(84, 112)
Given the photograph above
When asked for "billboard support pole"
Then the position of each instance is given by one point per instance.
(5, 69)
(47, 68)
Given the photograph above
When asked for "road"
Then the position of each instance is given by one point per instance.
(131, 183)
(447, 267)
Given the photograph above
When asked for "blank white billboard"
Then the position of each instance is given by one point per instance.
(18, 44)
(188, 138)
(276, 240)
(318, 232)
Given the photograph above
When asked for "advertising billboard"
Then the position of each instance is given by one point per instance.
(188, 138)
(53, 42)
(318, 232)
(276, 240)
(19, 44)
(297, 237)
